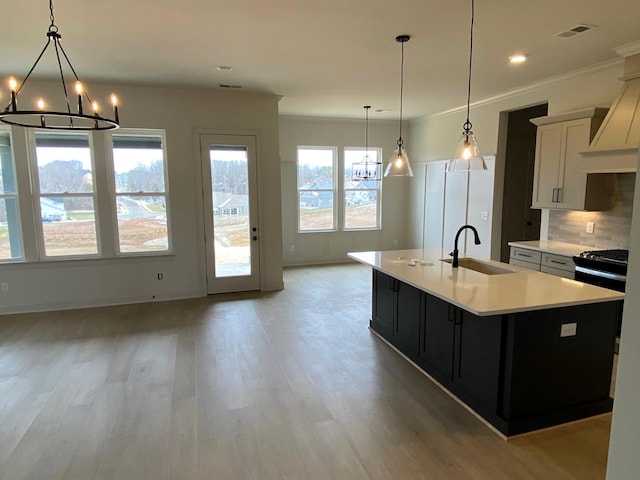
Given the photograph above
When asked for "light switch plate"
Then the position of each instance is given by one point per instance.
(568, 329)
(590, 227)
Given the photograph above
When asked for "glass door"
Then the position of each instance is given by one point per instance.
(231, 214)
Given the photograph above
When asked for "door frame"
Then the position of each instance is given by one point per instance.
(199, 192)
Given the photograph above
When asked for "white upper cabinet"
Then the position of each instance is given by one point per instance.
(559, 181)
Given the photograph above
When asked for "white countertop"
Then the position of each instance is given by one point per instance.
(549, 246)
(521, 291)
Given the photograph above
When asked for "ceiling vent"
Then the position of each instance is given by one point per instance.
(226, 85)
(575, 31)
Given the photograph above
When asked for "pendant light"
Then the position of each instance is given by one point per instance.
(366, 169)
(468, 156)
(43, 117)
(399, 165)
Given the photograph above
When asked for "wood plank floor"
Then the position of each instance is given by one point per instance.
(286, 385)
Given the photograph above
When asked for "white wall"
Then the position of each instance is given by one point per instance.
(310, 248)
(181, 113)
(435, 138)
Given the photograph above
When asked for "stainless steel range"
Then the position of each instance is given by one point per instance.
(604, 268)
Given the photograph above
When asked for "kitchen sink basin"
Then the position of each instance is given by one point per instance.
(478, 266)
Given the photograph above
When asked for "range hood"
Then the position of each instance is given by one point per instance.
(616, 145)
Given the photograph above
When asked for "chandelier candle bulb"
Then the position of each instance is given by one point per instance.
(79, 92)
(12, 86)
(95, 108)
(114, 102)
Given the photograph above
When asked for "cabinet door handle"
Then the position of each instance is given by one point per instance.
(554, 195)
(452, 313)
(559, 195)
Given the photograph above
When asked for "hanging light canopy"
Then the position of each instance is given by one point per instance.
(468, 156)
(366, 169)
(42, 116)
(399, 165)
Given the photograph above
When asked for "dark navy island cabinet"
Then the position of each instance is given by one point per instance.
(519, 371)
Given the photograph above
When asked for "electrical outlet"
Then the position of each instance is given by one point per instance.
(4, 287)
(485, 215)
(160, 276)
(395, 243)
(292, 249)
(568, 329)
(590, 227)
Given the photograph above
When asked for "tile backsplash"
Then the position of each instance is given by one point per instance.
(612, 227)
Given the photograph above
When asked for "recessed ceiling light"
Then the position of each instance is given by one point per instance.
(518, 58)
(380, 110)
(224, 68)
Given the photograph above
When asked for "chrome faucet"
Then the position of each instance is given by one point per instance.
(454, 254)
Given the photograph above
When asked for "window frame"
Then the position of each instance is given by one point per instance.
(15, 196)
(334, 190)
(114, 194)
(378, 190)
(37, 195)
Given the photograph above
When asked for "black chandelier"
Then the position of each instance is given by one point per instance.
(58, 120)
(366, 169)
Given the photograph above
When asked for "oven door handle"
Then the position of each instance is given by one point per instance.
(601, 274)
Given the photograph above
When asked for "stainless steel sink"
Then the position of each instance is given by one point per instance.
(478, 266)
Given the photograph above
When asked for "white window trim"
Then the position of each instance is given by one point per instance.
(113, 194)
(378, 191)
(334, 190)
(36, 195)
(16, 197)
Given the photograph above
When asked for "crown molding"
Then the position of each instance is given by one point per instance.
(534, 86)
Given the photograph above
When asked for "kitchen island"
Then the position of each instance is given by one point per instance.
(524, 350)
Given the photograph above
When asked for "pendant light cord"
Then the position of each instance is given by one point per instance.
(366, 133)
(467, 125)
(401, 91)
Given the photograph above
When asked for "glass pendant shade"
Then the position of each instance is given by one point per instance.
(468, 156)
(399, 165)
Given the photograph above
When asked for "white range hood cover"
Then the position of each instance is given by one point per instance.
(616, 145)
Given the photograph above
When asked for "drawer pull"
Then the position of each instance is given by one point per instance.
(559, 263)
(524, 255)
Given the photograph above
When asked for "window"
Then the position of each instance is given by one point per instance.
(66, 194)
(361, 198)
(316, 188)
(140, 192)
(10, 238)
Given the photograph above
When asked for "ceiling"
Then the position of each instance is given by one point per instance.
(325, 58)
